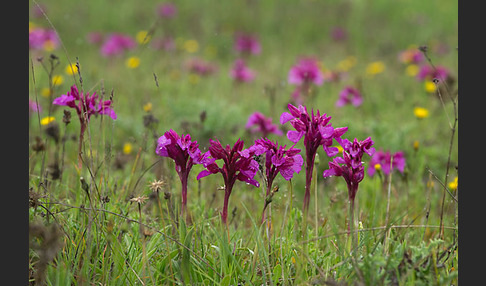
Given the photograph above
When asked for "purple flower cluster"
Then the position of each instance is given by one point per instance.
(247, 44)
(40, 38)
(166, 10)
(241, 73)
(200, 67)
(238, 164)
(257, 122)
(349, 95)
(185, 154)
(317, 131)
(85, 104)
(384, 159)
(117, 44)
(350, 165)
(305, 72)
(427, 72)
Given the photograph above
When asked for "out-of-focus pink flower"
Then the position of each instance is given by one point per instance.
(427, 72)
(257, 122)
(349, 95)
(40, 38)
(241, 73)
(306, 71)
(167, 44)
(200, 67)
(166, 10)
(116, 44)
(95, 38)
(247, 44)
(339, 34)
(411, 56)
(384, 159)
(34, 107)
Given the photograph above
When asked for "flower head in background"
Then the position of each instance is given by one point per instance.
(384, 161)
(305, 72)
(43, 39)
(247, 44)
(166, 10)
(85, 104)
(200, 67)
(241, 73)
(257, 122)
(427, 72)
(349, 95)
(339, 34)
(375, 68)
(421, 112)
(411, 55)
(117, 44)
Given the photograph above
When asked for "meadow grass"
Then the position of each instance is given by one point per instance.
(112, 228)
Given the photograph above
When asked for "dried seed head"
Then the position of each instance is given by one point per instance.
(139, 200)
(66, 118)
(156, 185)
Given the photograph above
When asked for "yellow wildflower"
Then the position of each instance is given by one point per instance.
(191, 46)
(347, 63)
(377, 167)
(412, 70)
(127, 148)
(147, 107)
(421, 112)
(453, 184)
(46, 92)
(375, 68)
(57, 80)
(132, 62)
(430, 86)
(46, 120)
(143, 37)
(71, 69)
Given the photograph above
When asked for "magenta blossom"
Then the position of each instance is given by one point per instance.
(34, 107)
(85, 105)
(305, 72)
(349, 95)
(185, 154)
(200, 67)
(257, 122)
(384, 159)
(166, 10)
(277, 160)
(339, 34)
(411, 56)
(117, 44)
(40, 38)
(241, 73)
(238, 164)
(317, 131)
(247, 44)
(427, 72)
(350, 165)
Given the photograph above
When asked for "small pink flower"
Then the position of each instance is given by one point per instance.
(339, 34)
(306, 71)
(384, 159)
(247, 44)
(200, 67)
(257, 122)
(349, 95)
(427, 72)
(241, 73)
(116, 44)
(166, 10)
